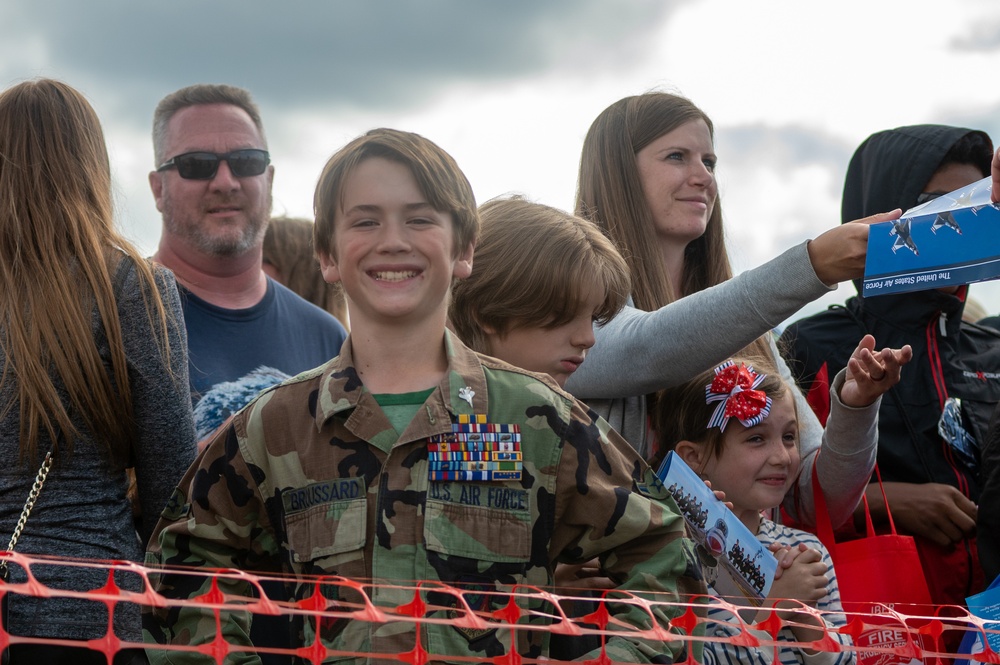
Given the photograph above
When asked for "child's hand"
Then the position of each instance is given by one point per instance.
(871, 373)
(785, 556)
(570, 578)
(720, 495)
(805, 581)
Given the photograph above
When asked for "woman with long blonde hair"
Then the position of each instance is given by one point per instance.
(94, 371)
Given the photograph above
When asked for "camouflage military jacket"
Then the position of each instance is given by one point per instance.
(311, 479)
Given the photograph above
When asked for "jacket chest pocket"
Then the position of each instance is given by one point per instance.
(325, 524)
(482, 549)
(482, 522)
(484, 534)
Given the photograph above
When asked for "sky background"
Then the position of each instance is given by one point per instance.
(510, 87)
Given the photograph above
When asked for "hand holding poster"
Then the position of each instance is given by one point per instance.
(735, 562)
(948, 241)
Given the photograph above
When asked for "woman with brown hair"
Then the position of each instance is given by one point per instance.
(647, 178)
(94, 372)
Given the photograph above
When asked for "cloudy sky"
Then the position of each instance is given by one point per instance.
(510, 87)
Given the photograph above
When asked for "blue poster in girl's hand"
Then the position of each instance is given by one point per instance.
(736, 564)
(948, 241)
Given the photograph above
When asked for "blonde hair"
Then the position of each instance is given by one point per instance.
(682, 414)
(288, 246)
(58, 252)
(610, 193)
(437, 174)
(532, 265)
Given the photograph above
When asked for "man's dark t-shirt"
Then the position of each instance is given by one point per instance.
(282, 331)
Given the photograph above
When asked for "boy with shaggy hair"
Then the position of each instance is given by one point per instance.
(411, 457)
(543, 278)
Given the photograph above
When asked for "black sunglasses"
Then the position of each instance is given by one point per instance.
(924, 197)
(204, 165)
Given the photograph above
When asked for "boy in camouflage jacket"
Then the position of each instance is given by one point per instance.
(349, 469)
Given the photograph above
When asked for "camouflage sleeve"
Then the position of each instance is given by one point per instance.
(611, 505)
(215, 519)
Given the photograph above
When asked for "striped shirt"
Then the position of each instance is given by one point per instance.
(723, 624)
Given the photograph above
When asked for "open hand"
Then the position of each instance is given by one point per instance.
(871, 373)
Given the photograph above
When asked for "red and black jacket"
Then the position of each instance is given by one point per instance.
(951, 358)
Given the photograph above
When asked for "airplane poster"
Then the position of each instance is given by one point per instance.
(948, 241)
(735, 563)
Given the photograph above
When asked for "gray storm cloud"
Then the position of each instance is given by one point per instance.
(314, 54)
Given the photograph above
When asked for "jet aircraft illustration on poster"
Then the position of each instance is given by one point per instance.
(951, 240)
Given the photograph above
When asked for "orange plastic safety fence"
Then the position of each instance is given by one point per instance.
(879, 634)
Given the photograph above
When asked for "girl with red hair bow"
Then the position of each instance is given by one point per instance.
(737, 426)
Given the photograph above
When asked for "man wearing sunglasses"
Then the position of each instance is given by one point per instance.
(212, 184)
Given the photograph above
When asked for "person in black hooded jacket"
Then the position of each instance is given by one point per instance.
(932, 493)
(988, 524)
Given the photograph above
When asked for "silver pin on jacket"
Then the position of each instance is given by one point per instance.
(467, 394)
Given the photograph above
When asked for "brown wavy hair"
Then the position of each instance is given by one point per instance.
(59, 251)
(532, 262)
(288, 246)
(437, 174)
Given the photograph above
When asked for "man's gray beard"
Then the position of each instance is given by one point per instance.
(251, 237)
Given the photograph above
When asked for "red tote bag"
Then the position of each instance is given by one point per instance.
(879, 576)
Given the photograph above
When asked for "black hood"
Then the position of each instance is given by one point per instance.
(890, 169)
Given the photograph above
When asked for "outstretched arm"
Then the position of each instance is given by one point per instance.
(641, 352)
(849, 441)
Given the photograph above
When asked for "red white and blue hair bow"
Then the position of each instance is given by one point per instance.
(734, 386)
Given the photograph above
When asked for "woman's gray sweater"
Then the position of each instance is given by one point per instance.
(641, 352)
(83, 511)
